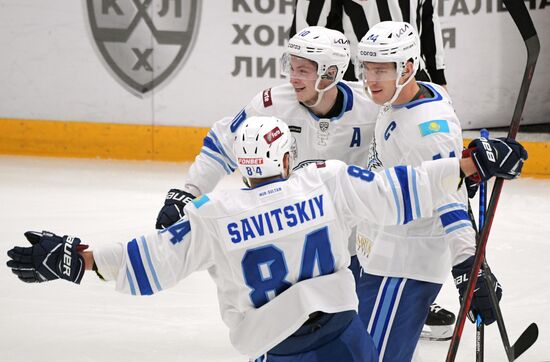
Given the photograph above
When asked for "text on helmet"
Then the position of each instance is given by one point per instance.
(372, 37)
(250, 161)
(273, 135)
(368, 53)
(341, 41)
(402, 30)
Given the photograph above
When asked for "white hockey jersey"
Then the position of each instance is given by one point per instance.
(345, 137)
(278, 252)
(424, 129)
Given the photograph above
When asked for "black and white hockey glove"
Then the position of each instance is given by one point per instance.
(501, 157)
(172, 211)
(481, 301)
(50, 257)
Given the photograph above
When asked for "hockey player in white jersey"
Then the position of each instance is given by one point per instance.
(328, 119)
(405, 266)
(277, 250)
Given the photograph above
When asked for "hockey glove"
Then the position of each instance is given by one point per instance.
(50, 257)
(481, 301)
(471, 187)
(172, 211)
(501, 157)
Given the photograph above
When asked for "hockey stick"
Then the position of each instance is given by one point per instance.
(480, 327)
(520, 15)
(527, 338)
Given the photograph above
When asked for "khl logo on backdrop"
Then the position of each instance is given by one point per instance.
(143, 42)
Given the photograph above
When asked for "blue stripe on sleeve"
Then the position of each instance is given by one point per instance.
(150, 263)
(139, 269)
(415, 193)
(458, 226)
(452, 206)
(395, 198)
(239, 118)
(403, 178)
(221, 148)
(130, 282)
(453, 216)
(209, 143)
(225, 166)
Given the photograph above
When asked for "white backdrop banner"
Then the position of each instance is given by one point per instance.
(191, 62)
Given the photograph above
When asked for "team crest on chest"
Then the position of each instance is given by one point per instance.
(322, 133)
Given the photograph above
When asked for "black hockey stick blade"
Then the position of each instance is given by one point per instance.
(526, 340)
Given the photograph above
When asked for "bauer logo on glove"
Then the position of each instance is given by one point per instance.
(500, 157)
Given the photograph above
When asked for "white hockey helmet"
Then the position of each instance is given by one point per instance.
(389, 42)
(260, 146)
(325, 47)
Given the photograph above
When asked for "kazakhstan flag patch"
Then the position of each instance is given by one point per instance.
(200, 201)
(435, 126)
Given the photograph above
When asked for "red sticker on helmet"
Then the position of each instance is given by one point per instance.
(273, 135)
(250, 161)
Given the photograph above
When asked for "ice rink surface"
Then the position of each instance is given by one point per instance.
(113, 201)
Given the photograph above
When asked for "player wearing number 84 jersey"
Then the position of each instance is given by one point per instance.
(277, 250)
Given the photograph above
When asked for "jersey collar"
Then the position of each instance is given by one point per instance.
(347, 103)
(437, 97)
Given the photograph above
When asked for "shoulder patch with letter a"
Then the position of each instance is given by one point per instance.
(434, 126)
(266, 95)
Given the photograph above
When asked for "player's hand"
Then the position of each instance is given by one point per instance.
(481, 301)
(172, 211)
(50, 257)
(500, 157)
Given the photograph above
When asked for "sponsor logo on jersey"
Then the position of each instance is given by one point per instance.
(266, 96)
(434, 126)
(273, 135)
(250, 161)
(320, 164)
(129, 34)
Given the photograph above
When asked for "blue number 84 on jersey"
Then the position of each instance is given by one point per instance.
(265, 268)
